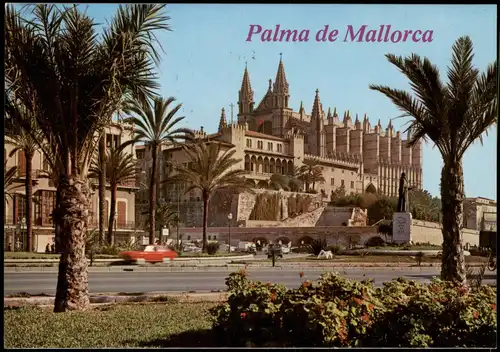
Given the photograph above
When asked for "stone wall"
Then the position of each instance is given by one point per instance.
(426, 231)
(333, 234)
(240, 205)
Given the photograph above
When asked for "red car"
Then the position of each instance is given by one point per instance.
(150, 254)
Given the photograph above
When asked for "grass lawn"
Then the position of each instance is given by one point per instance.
(132, 325)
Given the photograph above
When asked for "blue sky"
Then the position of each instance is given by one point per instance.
(205, 56)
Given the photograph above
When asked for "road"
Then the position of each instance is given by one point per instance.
(200, 281)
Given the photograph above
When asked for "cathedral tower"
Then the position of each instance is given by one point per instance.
(245, 101)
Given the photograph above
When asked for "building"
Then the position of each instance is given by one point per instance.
(480, 214)
(273, 138)
(352, 153)
(44, 194)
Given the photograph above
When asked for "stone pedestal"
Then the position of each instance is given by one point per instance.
(401, 227)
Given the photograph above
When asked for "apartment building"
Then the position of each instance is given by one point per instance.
(44, 198)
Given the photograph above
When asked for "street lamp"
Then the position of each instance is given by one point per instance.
(23, 224)
(229, 218)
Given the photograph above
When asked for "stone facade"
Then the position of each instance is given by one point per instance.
(44, 194)
(480, 214)
(421, 232)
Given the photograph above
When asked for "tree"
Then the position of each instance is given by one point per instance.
(76, 80)
(279, 181)
(310, 173)
(453, 116)
(118, 167)
(102, 187)
(9, 182)
(166, 215)
(22, 132)
(209, 169)
(156, 126)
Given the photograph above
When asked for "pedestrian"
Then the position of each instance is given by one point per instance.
(53, 248)
(47, 248)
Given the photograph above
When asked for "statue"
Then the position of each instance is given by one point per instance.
(403, 205)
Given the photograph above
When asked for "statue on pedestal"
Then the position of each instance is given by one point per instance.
(403, 206)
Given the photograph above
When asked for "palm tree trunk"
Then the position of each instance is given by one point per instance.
(102, 188)
(112, 214)
(152, 195)
(452, 195)
(73, 211)
(205, 222)
(29, 201)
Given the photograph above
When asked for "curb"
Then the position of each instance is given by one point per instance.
(111, 299)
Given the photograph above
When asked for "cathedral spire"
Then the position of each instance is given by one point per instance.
(316, 110)
(245, 94)
(281, 86)
(365, 119)
(222, 121)
(329, 114)
(357, 123)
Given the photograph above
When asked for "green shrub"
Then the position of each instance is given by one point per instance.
(212, 247)
(317, 246)
(337, 312)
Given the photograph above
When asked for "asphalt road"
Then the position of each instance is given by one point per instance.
(200, 281)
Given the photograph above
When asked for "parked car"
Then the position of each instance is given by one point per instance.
(149, 254)
(225, 248)
(285, 249)
(191, 247)
(278, 251)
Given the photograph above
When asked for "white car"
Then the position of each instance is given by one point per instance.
(285, 249)
(191, 247)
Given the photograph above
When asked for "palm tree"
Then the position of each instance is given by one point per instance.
(209, 169)
(156, 126)
(311, 173)
(102, 187)
(72, 81)
(165, 215)
(9, 182)
(118, 167)
(452, 116)
(22, 133)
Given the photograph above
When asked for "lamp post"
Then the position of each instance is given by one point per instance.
(23, 224)
(229, 218)
(179, 247)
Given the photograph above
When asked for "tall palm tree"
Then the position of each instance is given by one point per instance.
(156, 125)
(453, 116)
(102, 187)
(119, 167)
(9, 182)
(22, 132)
(208, 170)
(76, 80)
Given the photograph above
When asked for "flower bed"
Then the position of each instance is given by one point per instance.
(337, 312)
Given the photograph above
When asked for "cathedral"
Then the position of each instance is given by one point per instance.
(271, 137)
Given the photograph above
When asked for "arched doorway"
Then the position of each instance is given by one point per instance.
(305, 241)
(282, 240)
(260, 242)
(371, 189)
